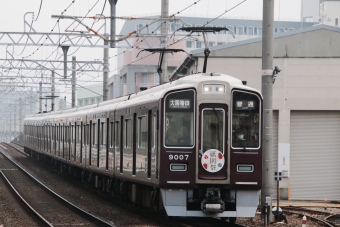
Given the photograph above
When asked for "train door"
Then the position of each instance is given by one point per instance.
(213, 152)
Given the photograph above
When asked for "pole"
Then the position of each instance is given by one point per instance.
(65, 49)
(164, 40)
(52, 92)
(278, 199)
(106, 70)
(267, 92)
(73, 81)
(40, 98)
(113, 23)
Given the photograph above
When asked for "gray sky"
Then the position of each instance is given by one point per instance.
(12, 20)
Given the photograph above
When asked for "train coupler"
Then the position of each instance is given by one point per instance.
(212, 202)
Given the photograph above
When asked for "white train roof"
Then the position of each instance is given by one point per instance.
(149, 95)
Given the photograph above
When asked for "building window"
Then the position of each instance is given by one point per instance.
(211, 44)
(99, 99)
(156, 79)
(124, 79)
(250, 31)
(80, 102)
(138, 26)
(135, 78)
(188, 44)
(92, 100)
(259, 31)
(308, 19)
(198, 44)
(239, 31)
(220, 43)
(144, 78)
(336, 21)
(86, 102)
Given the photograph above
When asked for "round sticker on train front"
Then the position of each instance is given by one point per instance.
(212, 160)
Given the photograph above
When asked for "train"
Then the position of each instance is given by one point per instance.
(191, 147)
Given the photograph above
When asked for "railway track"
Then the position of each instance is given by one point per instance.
(157, 217)
(324, 218)
(40, 202)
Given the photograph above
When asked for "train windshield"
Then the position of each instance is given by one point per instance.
(245, 120)
(179, 119)
(213, 129)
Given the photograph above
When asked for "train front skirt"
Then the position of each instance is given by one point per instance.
(175, 203)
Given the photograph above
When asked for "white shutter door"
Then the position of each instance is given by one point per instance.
(315, 155)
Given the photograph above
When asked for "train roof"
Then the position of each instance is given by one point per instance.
(149, 95)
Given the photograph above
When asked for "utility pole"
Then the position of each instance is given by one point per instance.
(113, 23)
(40, 97)
(52, 92)
(65, 49)
(164, 41)
(267, 92)
(106, 70)
(73, 81)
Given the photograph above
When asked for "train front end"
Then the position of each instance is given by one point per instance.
(211, 153)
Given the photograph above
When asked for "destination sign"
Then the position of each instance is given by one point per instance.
(179, 103)
(245, 105)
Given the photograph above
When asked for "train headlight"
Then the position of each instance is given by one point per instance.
(213, 89)
(206, 89)
(220, 89)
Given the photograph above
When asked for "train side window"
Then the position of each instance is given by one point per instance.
(103, 134)
(142, 132)
(117, 135)
(128, 133)
(111, 130)
(94, 135)
(154, 131)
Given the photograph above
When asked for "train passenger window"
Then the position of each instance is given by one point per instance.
(213, 129)
(142, 132)
(111, 131)
(94, 135)
(103, 133)
(128, 133)
(154, 131)
(245, 120)
(117, 135)
(179, 119)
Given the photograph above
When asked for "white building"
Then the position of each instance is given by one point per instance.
(138, 69)
(306, 104)
(89, 94)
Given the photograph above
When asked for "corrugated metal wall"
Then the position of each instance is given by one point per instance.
(315, 155)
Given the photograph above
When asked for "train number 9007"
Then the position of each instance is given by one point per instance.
(178, 157)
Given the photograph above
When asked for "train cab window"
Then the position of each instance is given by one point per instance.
(213, 129)
(245, 120)
(142, 132)
(128, 133)
(179, 119)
